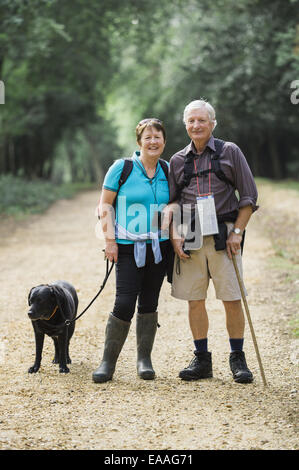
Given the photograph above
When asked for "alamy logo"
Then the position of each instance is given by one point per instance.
(138, 222)
(295, 94)
(2, 92)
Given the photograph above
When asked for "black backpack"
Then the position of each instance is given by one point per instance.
(126, 171)
(128, 167)
(220, 239)
(215, 167)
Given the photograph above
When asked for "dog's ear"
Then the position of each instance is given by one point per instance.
(29, 296)
(64, 300)
(59, 295)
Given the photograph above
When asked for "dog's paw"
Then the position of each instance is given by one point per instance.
(33, 369)
(64, 370)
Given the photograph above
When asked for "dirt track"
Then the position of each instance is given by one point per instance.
(49, 410)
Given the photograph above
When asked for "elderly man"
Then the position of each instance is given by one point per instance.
(206, 175)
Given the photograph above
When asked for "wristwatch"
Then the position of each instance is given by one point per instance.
(237, 231)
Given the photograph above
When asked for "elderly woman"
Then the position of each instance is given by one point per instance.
(134, 241)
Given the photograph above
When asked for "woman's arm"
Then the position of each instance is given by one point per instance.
(107, 217)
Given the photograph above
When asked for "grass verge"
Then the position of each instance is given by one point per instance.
(285, 184)
(281, 224)
(19, 197)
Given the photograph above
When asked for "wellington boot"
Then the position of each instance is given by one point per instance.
(116, 333)
(146, 327)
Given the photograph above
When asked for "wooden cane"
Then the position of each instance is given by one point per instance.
(249, 320)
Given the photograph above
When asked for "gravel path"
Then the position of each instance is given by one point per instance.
(49, 410)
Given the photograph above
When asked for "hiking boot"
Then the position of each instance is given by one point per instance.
(116, 333)
(199, 368)
(241, 373)
(146, 327)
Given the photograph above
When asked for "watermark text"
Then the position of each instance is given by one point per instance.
(295, 94)
(138, 219)
(2, 92)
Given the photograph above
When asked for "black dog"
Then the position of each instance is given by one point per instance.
(50, 305)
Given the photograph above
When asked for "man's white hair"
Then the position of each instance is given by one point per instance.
(201, 104)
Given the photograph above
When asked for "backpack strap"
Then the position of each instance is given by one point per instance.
(164, 166)
(127, 168)
(215, 163)
(215, 166)
(188, 171)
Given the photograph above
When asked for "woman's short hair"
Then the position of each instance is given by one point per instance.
(201, 104)
(149, 122)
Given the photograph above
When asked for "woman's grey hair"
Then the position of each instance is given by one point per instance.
(201, 104)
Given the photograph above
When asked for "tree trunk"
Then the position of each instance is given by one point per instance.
(2, 136)
(12, 156)
(2, 150)
(254, 150)
(97, 172)
(274, 156)
(71, 157)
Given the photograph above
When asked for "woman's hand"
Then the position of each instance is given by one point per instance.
(111, 250)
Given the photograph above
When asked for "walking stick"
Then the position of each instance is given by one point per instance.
(249, 320)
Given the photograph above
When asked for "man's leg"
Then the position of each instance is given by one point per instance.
(235, 324)
(201, 365)
(198, 319)
(235, 321)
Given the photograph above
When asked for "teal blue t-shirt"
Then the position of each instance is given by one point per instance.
(139, 198)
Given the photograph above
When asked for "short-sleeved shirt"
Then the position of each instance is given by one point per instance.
(235, 167)
(139, 198)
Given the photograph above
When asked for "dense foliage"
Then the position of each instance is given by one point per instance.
(79, 74)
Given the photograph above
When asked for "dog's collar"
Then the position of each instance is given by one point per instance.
(53, 313)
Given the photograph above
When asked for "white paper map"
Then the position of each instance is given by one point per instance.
(207, 214)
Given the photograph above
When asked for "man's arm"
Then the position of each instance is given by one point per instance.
(247, 190)
(233, 243)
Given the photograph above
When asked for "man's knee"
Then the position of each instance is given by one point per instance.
(197, 305)
(232, 305)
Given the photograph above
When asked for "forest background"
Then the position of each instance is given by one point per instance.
(76, 77)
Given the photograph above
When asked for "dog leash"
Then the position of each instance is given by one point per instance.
(108, 271)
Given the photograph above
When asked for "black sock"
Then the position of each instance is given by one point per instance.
(236, 344)
(201, 345)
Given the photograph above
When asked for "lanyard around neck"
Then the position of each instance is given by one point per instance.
(151, 180)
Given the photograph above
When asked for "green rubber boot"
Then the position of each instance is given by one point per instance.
(146, 327)
(115, 335)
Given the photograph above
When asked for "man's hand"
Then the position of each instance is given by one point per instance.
(168, 213)
(233, 244)
(177, 244)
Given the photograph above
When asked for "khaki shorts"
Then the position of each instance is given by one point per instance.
(193, 280)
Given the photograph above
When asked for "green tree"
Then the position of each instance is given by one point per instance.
(240, 56)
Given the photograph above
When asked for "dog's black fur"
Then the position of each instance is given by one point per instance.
(43, 300)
